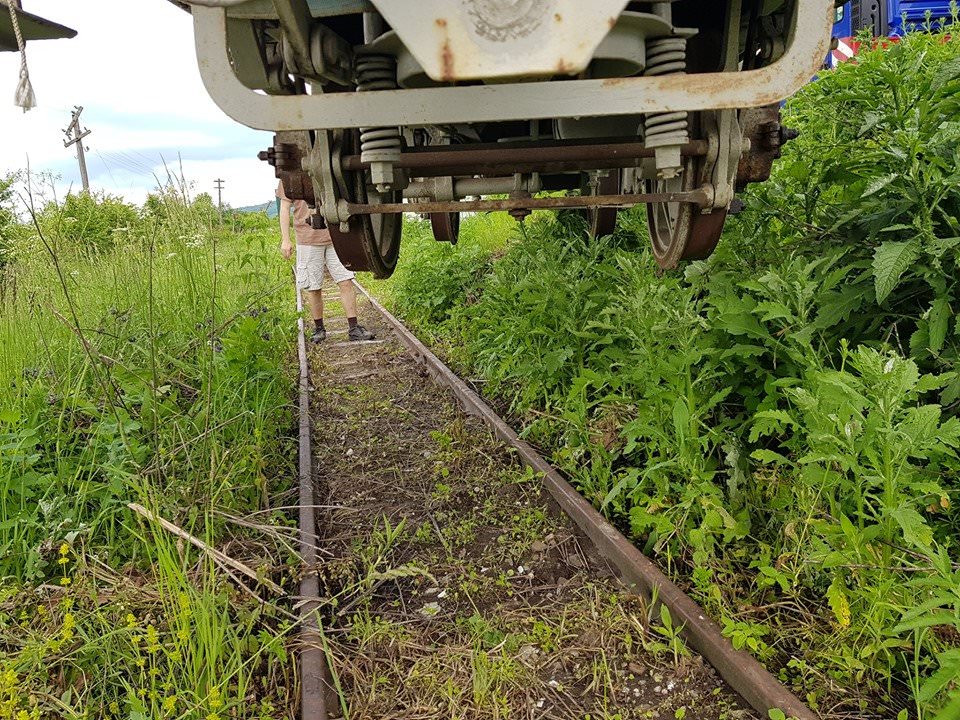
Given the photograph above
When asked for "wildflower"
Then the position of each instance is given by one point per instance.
(153, 641)
(114, 708)
(64, 581)
(215, 701)
(131, 620)
(68, 625)
(170, 703)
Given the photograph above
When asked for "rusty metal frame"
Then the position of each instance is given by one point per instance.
(756, 685)
(808, 44)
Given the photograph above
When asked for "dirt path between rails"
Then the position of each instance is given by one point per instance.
(459, 592)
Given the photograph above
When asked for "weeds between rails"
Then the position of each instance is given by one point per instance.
(450, 587)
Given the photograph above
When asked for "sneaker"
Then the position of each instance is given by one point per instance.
(318, 336)
(359, 332)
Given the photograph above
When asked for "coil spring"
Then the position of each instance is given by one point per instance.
(378, 144)
(666, 56)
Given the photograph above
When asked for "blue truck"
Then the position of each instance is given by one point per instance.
(887, 18)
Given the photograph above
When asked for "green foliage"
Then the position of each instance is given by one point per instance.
(881, 200)
(8, 217)
(87, 222)
(149, 371)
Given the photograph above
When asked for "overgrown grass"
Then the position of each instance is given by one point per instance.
(777, 425)
(143, 355)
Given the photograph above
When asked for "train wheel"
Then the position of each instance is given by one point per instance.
(679, 231)
(446, 227)
(372, 242)
(602, 221)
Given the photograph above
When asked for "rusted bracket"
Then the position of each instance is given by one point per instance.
(286, 157)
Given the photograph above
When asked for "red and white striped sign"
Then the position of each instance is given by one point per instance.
(845, 50)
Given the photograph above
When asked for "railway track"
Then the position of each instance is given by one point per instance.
(635, 574)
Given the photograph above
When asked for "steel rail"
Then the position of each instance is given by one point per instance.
(314, 672)
(696, 197)
(741, 671)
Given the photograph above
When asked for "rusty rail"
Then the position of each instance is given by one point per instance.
(314, 673)
(742, 672)
(698, 197)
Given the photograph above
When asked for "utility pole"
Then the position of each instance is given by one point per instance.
(219, 183)
(75, 136)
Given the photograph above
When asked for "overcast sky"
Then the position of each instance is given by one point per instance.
(133, 68)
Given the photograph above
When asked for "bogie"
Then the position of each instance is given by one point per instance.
(449, 107)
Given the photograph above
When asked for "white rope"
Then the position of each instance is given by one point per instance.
(24, 96)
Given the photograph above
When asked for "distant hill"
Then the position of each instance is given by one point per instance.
(270, 207)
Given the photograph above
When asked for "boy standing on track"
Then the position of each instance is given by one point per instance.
(314, 253)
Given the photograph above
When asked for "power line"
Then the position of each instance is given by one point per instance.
(75, 136)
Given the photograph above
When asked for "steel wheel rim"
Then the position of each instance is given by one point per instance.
(446, 227)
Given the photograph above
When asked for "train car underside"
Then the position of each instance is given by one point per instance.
(434, 106)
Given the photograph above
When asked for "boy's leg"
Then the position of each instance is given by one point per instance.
(315, 301)
(310, 281)
(348, 294)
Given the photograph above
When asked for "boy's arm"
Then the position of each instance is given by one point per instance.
(286, 246)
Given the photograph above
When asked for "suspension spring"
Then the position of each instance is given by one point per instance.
(667, 132)
(378, 144)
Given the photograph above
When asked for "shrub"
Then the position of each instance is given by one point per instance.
(88, 222)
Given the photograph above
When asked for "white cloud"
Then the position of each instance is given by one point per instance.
(133, 68)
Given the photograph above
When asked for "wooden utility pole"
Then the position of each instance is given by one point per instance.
(219, 183)
(75, 136)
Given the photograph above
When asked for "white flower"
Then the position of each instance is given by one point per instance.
(430, 609)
